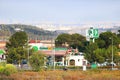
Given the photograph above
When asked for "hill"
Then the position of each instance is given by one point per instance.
(33, 32)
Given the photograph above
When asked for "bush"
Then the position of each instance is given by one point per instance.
(7, 69)
(1, 70)
(10, 69)
(37, 61)
(2, 67)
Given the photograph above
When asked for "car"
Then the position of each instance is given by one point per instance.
(112, 64)
(24, 61)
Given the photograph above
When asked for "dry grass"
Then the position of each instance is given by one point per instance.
(67, 75)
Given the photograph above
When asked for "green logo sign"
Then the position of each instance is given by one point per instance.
(90, 33)
(43, 48)
(1, 52)
(93, 33)
(35, 48)
(50, 48)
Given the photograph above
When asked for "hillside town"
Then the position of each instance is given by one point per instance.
(57, 56)
(59, 39)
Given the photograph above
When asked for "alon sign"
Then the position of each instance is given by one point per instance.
(92, 33)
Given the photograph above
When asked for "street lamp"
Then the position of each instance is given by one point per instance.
(54, 53)
(53, 49)
(28, 50)
(112, 52)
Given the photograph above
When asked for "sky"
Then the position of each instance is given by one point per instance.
(59, 11)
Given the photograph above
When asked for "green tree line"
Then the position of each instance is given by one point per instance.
(99, 51)
(18, 50)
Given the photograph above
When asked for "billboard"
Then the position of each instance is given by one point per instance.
(92, 33)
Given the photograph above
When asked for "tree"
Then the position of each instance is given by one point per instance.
(101, 43)
(101, 50)
(108, 54)
(99, 55)
(104, 40)
(75, 41)
(62, 39)
(89, 52)
(17, 47)
(37, 60)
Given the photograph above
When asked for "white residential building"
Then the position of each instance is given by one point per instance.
(74, 58)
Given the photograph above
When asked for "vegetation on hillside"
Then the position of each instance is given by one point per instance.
(33, 32)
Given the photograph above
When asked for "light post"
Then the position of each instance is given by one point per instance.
(54, 53)
(54, 40)
(112, 53)
(53, 50)
(28, 53)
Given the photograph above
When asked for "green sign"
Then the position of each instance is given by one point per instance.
(1, 52)
(90, 33)
(43, 48)
(50, 48)
(93, 66)
(93, 33)
(59, 49)
(35, 48)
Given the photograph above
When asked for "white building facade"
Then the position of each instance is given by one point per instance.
(75, 59)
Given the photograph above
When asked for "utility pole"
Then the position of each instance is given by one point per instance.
(28, 53)
(54, 52)
(112, 53)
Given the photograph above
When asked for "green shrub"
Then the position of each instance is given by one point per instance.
(3, 64)
(7, 69)
(2, 67)
(37, 61)
(10, 69)
(2, 70)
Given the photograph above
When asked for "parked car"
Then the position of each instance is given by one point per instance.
(112, 64)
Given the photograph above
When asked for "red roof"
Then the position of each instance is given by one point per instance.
(2, 41)
(34, 41)
(2, 44)
(3, 47)
(57, 53)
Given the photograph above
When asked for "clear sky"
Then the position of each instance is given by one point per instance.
(59, 11)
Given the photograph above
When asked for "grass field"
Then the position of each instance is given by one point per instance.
(64, 75)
